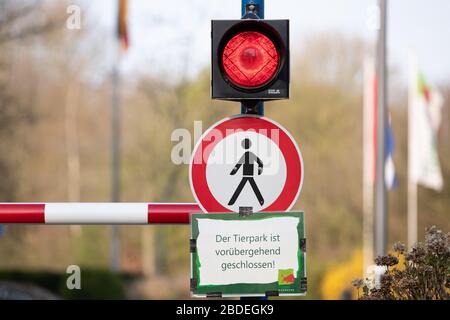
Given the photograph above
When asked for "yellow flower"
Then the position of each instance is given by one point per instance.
(337, 282)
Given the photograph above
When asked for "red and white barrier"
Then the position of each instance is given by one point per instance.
(97, 213)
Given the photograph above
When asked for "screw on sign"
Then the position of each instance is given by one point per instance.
(246, 161)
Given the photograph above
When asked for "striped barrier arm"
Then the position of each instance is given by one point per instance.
(97, 213)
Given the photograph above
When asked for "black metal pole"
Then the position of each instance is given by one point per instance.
(253, 107)
(256, 7)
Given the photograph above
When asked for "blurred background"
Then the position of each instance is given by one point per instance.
(56, 87)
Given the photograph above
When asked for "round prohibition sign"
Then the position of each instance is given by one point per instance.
(246, 161)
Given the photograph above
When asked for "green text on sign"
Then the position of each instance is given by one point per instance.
(257, 255)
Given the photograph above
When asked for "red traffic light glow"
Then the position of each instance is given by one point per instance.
(250, 59)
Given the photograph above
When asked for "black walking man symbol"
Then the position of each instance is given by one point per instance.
(247, 160)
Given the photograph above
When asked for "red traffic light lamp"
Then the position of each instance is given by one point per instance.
(250, 60)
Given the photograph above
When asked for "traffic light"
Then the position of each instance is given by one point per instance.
(250, 59)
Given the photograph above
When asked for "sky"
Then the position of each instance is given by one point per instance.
(173, 37)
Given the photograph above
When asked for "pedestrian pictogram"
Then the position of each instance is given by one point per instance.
(246, 161)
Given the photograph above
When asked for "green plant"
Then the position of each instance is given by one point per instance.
(423, 275)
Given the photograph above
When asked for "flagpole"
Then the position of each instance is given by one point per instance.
(115, 150)
(412, 185)
(380, 190)
(412, 213)
(368, 159)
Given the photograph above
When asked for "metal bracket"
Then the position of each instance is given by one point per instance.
(304, 283)
(303, 244)
(192, 245)
(245, 211)
(252, 107)
(214, 295)
(193, 284)
(272, 293)
(251, 11)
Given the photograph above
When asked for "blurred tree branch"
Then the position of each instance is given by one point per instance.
(8, 17)
(28, 32)
(18, 23)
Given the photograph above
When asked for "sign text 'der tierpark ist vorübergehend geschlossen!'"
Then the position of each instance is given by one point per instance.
(235, 255)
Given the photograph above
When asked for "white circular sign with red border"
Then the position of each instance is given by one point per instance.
(246, 162)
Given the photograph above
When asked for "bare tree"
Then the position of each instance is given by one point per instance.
(24, 19)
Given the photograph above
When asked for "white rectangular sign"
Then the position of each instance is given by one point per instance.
(244, 251)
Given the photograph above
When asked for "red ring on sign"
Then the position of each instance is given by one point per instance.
(202, 151)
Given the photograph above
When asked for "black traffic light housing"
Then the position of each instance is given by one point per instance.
(222, 87)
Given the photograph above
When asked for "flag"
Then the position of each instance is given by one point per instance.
(370, 132)
(389, 168)
(122, 24)
(425, 107)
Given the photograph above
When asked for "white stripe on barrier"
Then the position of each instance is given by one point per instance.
(96, 213)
